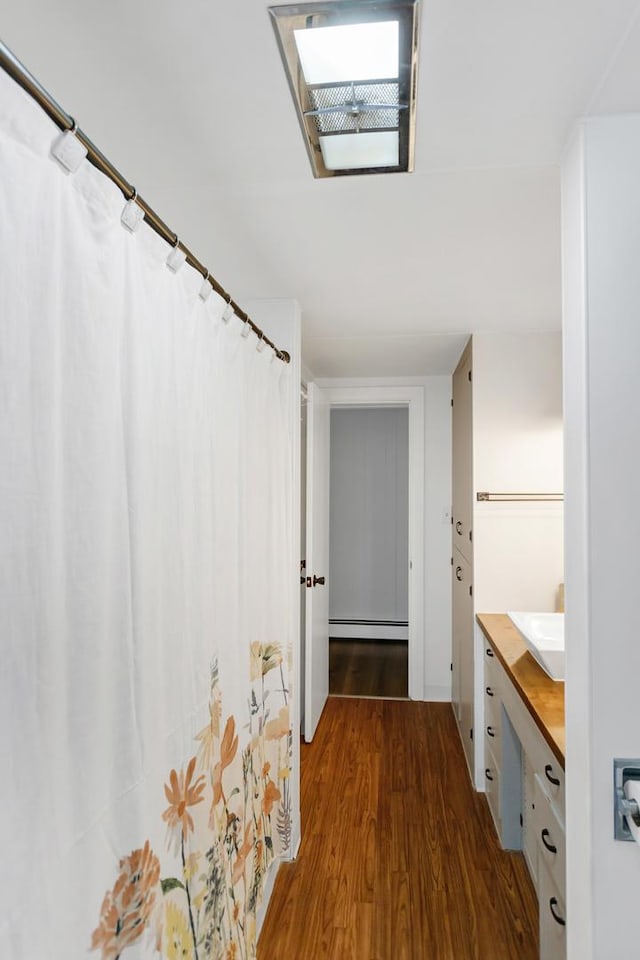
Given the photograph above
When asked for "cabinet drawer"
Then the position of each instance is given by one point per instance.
(550, 776)
(462, 536)
(530, 831)
(492, 711)
(491, 664)
(549, 831)
(553, 930)
(492, 735)
(492, 785)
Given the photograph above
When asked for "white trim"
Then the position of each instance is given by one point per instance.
(435, 694)
(383, 633)
(578, 686)
(412, 398)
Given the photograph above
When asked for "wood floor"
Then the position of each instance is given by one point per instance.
(368, 668)
(399, 859)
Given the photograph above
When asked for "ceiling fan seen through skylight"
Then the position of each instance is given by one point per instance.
(352, 72)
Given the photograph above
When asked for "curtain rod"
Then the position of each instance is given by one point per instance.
(11, 65)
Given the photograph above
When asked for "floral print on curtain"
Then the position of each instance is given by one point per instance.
(228, 816)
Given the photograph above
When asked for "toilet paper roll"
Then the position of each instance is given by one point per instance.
(632, 792)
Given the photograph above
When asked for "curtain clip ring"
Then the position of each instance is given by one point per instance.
(133, 214)
(176, 256)
(206, 289)
(68, 150)
(228, 311)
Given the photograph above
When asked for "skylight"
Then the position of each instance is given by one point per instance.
(352, 72)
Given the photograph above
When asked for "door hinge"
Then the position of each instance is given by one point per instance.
(471, 734)
(469, 376)
(521, 821)
(451, 665)
(451, 561)
(471, 591)
(471, 535)
(451, 401)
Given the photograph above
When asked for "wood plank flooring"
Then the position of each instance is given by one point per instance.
(399, 859)
(368, 668)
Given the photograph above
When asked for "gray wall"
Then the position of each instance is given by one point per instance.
(369, 517)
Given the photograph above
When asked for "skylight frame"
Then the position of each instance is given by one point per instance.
(288, 18)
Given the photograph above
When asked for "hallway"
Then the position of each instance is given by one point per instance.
(368, 668)
(399, 859)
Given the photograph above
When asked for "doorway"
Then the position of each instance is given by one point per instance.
(321, 400)
(369, 551)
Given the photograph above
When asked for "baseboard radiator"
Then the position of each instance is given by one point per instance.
(363, 629)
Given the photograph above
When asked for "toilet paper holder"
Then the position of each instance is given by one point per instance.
(624, 808)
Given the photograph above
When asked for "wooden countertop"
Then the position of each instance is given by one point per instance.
(542, 696)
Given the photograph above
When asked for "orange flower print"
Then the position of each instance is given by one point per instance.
(228, 750)
(229, 745)
(127, 908)
(209, 734)
(271, 794)
(243, 853)
(279, 727)
(182, 794)
(232, 951)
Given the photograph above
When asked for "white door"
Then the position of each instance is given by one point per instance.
(316, 688)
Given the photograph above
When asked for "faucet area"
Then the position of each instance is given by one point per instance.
(508, 600)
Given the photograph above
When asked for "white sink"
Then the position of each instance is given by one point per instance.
(543, 634)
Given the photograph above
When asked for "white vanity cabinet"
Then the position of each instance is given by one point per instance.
(524, 776)
(492, 730)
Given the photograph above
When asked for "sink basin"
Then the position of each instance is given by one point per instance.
(543, 634)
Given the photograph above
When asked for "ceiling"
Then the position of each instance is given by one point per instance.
(392, 272)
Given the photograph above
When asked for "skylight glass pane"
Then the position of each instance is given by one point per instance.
(357, 151)
(359, 51)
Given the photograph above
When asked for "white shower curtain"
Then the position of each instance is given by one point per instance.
(145, 511)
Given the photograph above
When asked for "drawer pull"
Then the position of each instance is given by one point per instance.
(553, 902)
(489, 652)
(459, 528)
(491, 732)
(489, 691)
(550, 846)
(487, 774)
(459, 574)
(553, 780)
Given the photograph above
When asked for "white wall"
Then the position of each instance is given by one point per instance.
(517, 447)
(369, 545)
(436, 683)
(601, 258)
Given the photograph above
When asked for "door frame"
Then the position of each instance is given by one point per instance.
(411, 398)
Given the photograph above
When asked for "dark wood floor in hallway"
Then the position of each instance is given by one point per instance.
(368, 668)
(399, 859)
